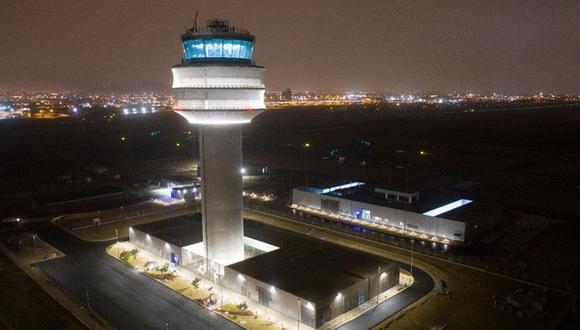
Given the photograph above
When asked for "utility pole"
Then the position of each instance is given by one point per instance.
(118, 248)
(299, 312)
(378, 284)
(412, 255)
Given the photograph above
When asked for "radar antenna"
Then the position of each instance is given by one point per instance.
(195, 22)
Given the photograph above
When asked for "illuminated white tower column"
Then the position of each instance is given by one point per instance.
(218, 87)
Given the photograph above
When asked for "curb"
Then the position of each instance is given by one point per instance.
(430, 270)
(91, 320)
(179, 293)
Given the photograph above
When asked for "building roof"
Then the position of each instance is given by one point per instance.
(181, 231)
(308, 268)
(312, 269)
(474, 212)
(180, 178)
(425, 203)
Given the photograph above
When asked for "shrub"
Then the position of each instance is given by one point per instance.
(124, 256)
(134, 253)
(195, 282)
(242, 306)
(164, 269)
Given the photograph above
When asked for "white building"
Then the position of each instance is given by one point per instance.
(431, 217)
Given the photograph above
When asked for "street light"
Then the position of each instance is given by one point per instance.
(299, 312)
(412, 255)
(118, 248)
(378, 284)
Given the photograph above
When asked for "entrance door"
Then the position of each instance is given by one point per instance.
(264, 296)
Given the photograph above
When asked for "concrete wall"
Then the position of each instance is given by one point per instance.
(281, 301)
(416, 222)
(358, 293)
(221, 182)
(154, 245)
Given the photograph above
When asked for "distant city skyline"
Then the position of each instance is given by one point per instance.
(507, 47)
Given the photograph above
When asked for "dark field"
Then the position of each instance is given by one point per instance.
(526, 157)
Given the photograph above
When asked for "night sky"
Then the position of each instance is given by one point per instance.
(507, 46)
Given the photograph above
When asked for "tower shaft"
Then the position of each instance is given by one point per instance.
(219, 87)
(221, 181)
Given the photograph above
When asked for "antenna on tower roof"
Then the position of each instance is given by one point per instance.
(195, 22)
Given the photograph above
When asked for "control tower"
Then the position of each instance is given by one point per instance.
(218, 87)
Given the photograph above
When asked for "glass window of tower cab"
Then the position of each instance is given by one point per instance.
(217, 42)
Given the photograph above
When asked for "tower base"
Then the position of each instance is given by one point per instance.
(221, 183)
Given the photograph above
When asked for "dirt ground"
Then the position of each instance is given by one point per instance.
(470, 305)
(24, 305)
(181, 285)
(42, 251)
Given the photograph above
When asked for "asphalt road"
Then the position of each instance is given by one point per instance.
(124, 297)
(129, 300)
(423, 284)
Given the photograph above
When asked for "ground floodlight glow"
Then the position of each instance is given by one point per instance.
(447, 207)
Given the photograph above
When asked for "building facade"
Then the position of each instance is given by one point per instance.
(219, 88)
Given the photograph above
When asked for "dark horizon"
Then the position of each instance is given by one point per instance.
(515, 47)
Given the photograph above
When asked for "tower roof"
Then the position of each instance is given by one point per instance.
(217, 42)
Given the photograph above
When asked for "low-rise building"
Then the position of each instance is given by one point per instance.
(433, 217)
(306, 279)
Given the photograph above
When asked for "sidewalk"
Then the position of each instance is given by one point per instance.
(90, 319)
(405, 281)
(267, 319)
(274, 319)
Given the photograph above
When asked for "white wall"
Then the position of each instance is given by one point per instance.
(282, 301)
(154, 245)
(441, 227)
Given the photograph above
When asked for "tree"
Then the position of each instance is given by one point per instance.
(242, 306)
(134, 253)
(164, 269)
(195, 282)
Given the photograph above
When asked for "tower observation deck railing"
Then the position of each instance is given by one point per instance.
(212, 30)
(216, 26)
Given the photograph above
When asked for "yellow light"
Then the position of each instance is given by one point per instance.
(122, 138)
(307, 145)
(422, 153)
(178, 144)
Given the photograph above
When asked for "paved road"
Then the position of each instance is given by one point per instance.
(124, 297)
(423, 285)
(129, 300)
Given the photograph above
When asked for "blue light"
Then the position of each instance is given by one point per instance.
(218, 48)
(447, 207)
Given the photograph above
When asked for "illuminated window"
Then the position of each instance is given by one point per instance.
(236, 48)
(227, 48)
(198, 48)
(218, 48)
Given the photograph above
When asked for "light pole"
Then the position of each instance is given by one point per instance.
(117, 234)
(412, 255)
(299, 312)
(221, 290)
(378, 284)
